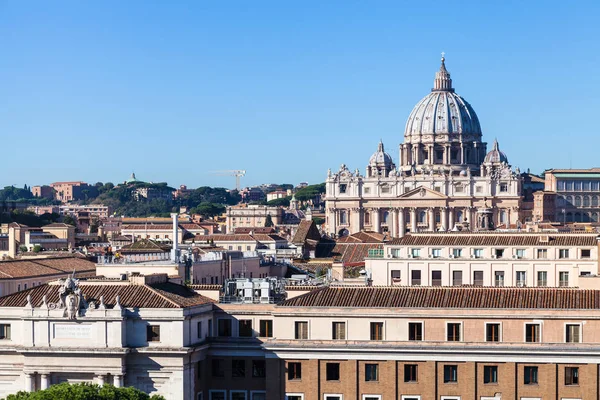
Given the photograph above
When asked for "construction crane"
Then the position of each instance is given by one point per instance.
(238, 173)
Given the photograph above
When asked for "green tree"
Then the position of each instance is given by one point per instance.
(67, 219)
(268, 221)
(284, 201)
(310, 192)
(84, 391)
(208, 210)
(37, 248)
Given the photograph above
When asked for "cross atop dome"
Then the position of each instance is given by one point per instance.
(442, 81)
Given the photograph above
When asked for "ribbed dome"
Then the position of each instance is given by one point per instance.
(442, 112)
(495, 155)
(380, 158)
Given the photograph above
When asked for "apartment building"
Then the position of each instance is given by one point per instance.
(485, 259)
(252, 216)
(68, 191)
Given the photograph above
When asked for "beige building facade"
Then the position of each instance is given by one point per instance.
(252, 216)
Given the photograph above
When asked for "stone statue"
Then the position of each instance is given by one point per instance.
(70, 297)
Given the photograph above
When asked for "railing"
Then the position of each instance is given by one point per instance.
(375, 253)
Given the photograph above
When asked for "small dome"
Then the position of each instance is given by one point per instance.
(495, 155)
(380, 158)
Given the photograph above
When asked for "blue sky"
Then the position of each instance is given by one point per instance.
(174, 90)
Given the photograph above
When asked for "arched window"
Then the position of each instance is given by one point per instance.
(503, 217)
(560, 201)
(586, 201)
(577, 201)
(569, 200)
(577, 217)
(569, 217)
(459, 216)
(595, 217)
(594, 201)
(386, 217)
(343, 217)
(422, 217)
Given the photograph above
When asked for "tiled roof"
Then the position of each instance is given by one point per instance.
(363, 237)
(496, 239)
(353, 253)
(161, 295)
(205, 287)
(258, 229)
(145, 245)
(449, 297)
(44, 267)
(267, 237)
(58, 225)
(306, 230)
(230, 237)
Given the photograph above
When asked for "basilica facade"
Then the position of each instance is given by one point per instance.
(446, 179)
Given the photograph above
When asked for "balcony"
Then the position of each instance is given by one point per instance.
(375, 253)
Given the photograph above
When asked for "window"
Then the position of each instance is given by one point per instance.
(436, 253)
(490, 374)
(332, 397)
(520, 253)
(504, 187)
(492, 332)
(410, 372)
(436, 278)
(395, 274)
(542, 253)
(542, 278)
(295, 396)
(477, 253)
(199, 329)
(585, 253)
(499, 253)
(478, 278)
(499, 278)
(456, 278)
(371, 397)
(456, 253)
(343, 188)
(259, 369)
(521, 278)
(563, 253)
(367, 191)
(396, 253)
(238, 395)
(238, 368)
(415, 253)
(153, 333)
(266, 328)
(218, 368)
(332, 371)
(571, 376)
(256, 395)
(4, 331)
(216, 394)
(294, 371)
(371, 372)
(531, 375)
(415, 276)
(532, 333)
(338, 330)
(573, 333)
(245, 327)
(301, 330)
(450, 374)
(453, 331)
(563, 279)
(225, 327)
(376, 330)
(415, 331)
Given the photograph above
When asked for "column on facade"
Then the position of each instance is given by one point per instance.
(100, 380)
(393, 225)
(450, 218)
(431, 216)
(356, 221)
(376, 220)
(45, 381)
(462, 154)
(401, 223)
(333, 220)
(29, 382)
(413, 219)
(430, 152)
(446, 154)
(444, 218)
(118, 380)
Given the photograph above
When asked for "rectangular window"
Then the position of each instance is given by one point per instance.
(225, 327)
(457, 278)
(415, 277)
(573, 334)
(410, 372)
(266, 328)
(436, 278)
(415, 331)
(238, 395)
(530, 375)
(450, 373)
(343, 188)
(396, 253)
(4, 331)
(563, 279)
(478, 278)
(371, 372)
(520, 253)
(492, 332)
(332, 371)
(376, 330)
(499, 253)
(453, 332)
(571, 376)
(415, 253)
(338, 330)
(499, 278)
(478, 253)
(395, 275)
(563, 253)
(532, 333)
(301, 330)
(490, 374)
(542, 278)
(542, 253)
(585, 253)
(199, 329)
(294, 371)
(521, 278)
(259, 369)
(436, 253)
(218, 368)
(153, 333)
(245, 327)
(238, 368)
(456, 253)
(217, 395)
(504, 187)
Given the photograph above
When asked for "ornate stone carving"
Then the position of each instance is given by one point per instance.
(70, 298)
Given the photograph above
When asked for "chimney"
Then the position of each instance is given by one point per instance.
(174, 248)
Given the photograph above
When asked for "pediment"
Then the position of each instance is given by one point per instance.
(423, 193)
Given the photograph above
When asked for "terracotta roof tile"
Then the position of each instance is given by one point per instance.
(45, 267)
